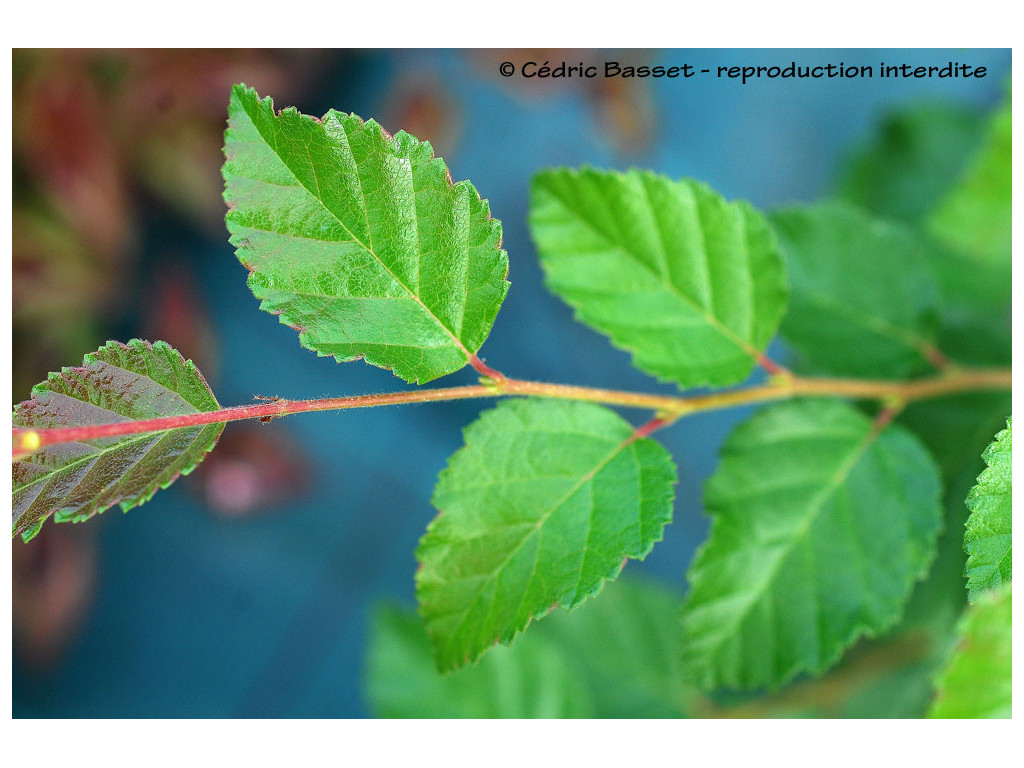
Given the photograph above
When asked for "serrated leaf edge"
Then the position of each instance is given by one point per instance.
(640, 555)
(974, 593)
(750, 350)
(392, 140)
(860, 630)
(59, 515)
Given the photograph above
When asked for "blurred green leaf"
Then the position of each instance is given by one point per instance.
(820, 526)
(617, 656)
(988, 540)
(689, 283)
(118, 382)
(528, 680)
(972, 226)
(975, 216)
(360, 240)
(863, 301)
(976, 682)
(914, 156)
(541, 507)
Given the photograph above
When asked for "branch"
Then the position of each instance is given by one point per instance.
(667, 407)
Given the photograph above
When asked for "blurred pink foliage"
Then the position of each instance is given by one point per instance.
(92, 129)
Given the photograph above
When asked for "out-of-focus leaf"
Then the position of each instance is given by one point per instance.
(975, 321)
(541, 507)
(956, 430)
(988, 540)
(118, 382)
(976, 682)
(53, 273)
(689, 283)
(973, 264)
(975, 216)
(64, 144)
(528, 680)
(617, 656)
(863, 301)
(820, 526)
(914, 156)
(360, 240)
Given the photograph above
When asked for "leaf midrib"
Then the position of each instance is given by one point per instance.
(814, 510)
(744, 346)
(451, 334)
(871, 322)
(536, 527)
(101, 451)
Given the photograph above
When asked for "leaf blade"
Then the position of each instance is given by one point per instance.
(622, 246)
(118, 382)
(975, 216)
(976, 682)
(914, 156)
(762, 605)
(989, 537)
(863, 301)
(360, 240)
(613, 657)
(576, 494)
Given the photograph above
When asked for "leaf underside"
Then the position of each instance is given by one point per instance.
(689, 283)
(360, 240)
(863, 300)
(976, 682)
(542, 505)
(118, 382)
(819, 528)
(988, 539)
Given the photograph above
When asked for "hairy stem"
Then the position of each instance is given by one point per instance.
(668, 408)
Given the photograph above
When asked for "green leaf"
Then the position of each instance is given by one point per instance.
(617, 656)
(988, 540)
(542, 505)
(914, 156)
(820, 526)
(360, 240)
(629, 644)
(118, 382)
(976, 682)
(975, 308)
(863, 299)
(530, 679)
(975, 216)
(955, 431)
(692, 285)
(973, 268)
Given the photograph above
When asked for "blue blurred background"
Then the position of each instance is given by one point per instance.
(245, 589)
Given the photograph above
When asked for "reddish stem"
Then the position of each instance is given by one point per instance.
(935, 356)
(885, 417)
(671, 408)
(651, 426)
(237, 413)
(770, 366)
(485, 370)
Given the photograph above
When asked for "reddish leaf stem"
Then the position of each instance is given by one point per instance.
(668, 407)
(485, 370)
(651, 426)
(771, 367)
